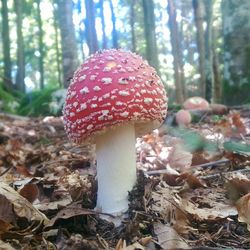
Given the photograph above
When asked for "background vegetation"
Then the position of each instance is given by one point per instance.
(199, 47)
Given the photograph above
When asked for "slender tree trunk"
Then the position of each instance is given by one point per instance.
(132, 25)
(20, 47)
(217, 88)
(149, 24)
(114, 31)
(58, 54)
(6, 44)
(80, 30)
(90, 26)
(209, 49)
(104, 38)
(68, 39)
(40, 42)
(199, 18)
(175, 43)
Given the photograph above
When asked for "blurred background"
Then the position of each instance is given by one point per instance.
(198, 47)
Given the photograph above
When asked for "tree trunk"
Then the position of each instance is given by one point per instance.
(6, 45)
(40, 42)
(114, 31)
(236, 26)
(104, 38)
(132, 25)
(58, 54)
(20, 47)
(90, 26)
(199, 18)
(68, 40)
(149, 28)
(217, 88)
(209, 49)
(176, 51)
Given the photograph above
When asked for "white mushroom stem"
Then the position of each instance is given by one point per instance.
(116, 168)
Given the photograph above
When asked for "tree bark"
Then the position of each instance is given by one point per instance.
(68, 39)
(176, 51)
(114, 31)
(236, 25)
(209, 74)
(20, 47)
(40, 44)
(149, 28)
(6, 45)
(199, 18)
(132, 25)
(104, 38)
(90, 26)
(58, 54)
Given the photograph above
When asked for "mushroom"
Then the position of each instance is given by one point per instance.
(196, 103)
(114, 97)
(183, 117)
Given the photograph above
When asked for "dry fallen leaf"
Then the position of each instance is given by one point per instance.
(205, 204)
(21, 206)
(168, 238)
(243, 207)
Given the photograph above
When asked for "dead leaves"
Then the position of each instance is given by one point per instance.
(13, 207)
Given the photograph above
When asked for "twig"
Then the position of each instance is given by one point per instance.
(6, 170)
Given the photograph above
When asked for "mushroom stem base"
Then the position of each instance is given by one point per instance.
(116, 168)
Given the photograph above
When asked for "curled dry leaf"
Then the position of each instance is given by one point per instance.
(21, 206)
(205, 204)
(168, 238)
(30, 192)
(237, 186)
(243, 207)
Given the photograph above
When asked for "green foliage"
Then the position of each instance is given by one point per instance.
(236, 94)
(238, 147)
(37, 103)
(8, 101)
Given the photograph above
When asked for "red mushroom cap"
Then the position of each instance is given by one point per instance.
(195, 102)
(113, 87)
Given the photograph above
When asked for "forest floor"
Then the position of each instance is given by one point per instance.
(193, 188)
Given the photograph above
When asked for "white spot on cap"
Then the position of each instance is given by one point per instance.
(92, 77)
(143, 91)
(106, 96)
(81, 78)
(75, 104)
(119, 103)
(123, 93)
(110, 58)
(124, 114)
(83, 106)
(90, 126)
(123, 81)
(93, 105)
(96, 67)
(105, 112)
(72, 114)
(132, 78)
(96, 88)
(85, 68)
(138, 94)
(84, 90)
(113, 97)
(106, 69)
(148, 100)
(107, 80)
(137, 85)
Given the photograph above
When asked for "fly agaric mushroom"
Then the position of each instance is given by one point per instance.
(195, 103)
(114, 97)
